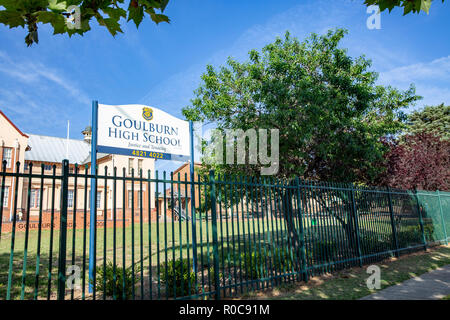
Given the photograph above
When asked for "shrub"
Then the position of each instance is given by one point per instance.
(409, 235)
(322, 251)
(282, 259)
(180, 275)
(374, 243)
(254, 264)
(110, 284)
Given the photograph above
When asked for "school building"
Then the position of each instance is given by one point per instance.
(28, 199)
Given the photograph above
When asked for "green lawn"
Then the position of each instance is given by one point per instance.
(167, 243)
(162, 236)
(351, 284)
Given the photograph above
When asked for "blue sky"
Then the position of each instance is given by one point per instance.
(45, 85)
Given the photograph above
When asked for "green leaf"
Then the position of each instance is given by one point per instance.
(57, 5)
(112, 25)
(425, 6)
(136, 14)
(12, 19)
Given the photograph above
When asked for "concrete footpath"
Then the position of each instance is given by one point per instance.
(433, 285)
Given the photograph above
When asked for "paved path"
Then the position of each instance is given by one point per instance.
(429, 286)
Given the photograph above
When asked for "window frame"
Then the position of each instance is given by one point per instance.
(8, 160)
(35, 198)
(6, 197)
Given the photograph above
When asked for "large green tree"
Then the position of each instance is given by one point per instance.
(433, 119)
(108, 13)
(330, 113)
(414, 6)
(326, 104)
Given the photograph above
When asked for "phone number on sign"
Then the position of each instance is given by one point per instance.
(156, 155)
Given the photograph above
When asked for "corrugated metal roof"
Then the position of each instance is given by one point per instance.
(53, 149)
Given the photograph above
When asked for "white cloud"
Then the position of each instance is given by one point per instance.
(38, 98)
(33, 73)
(432, 80)
(317, 16)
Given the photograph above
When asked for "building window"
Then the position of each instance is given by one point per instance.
(6, 197)
(35, 197)
(130, 198)
(130, 165)
(70, 198)
(99, 197)
(7, 156)
(140, 165)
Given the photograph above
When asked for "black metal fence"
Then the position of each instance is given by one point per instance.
(244, 233)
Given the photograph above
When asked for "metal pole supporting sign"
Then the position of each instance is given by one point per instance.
(93, 209)
(194, 218)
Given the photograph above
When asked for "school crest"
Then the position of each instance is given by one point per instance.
(147, 113)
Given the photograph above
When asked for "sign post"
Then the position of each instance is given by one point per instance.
(93, 209)
(194, 217)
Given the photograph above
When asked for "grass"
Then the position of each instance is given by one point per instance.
(351, 284)
(233, 239)
(163, 236)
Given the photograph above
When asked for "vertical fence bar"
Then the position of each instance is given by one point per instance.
(124, 229)
(394, 228)
(150, 251)
(74, 222)
(2, 196)
(114, 232)
(133, 275)
(141, 231)
(38, 256)
(214, 233)
(52, 222)
(158, 268)
(63, 231)
(83, 291)
(166, 266)
(355, 221)
(201, 225)
(105, 222)
(13, 234)
(302, 236)
(27, 229)
(442, 218)
(419, 213)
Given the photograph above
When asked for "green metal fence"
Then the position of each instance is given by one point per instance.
(251, 233)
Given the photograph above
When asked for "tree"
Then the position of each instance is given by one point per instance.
(330, 113)
(420, 160)
(435, 119)
(414, 6)
(108, 13)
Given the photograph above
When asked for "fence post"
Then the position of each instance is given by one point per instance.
(442, 218)
(394, 229)
(63, 231)
(212, 181)
(355, 221)
(421, 221)
(302, 240)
